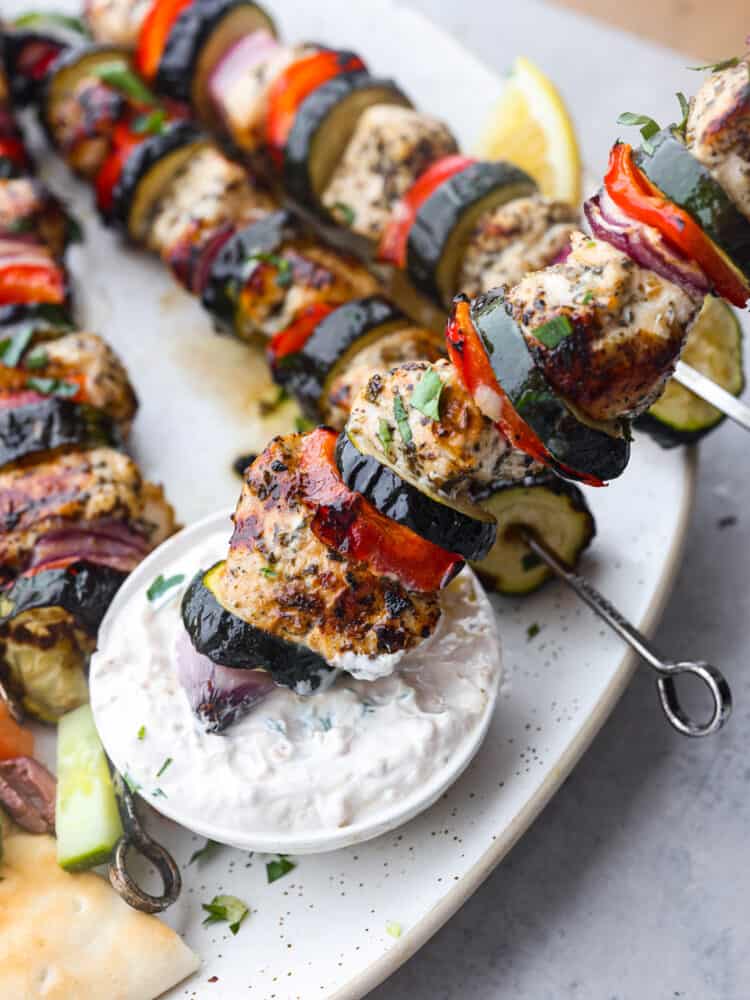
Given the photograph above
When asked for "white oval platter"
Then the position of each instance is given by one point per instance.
(323, 930)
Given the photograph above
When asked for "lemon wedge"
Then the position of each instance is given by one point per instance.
(531, 127)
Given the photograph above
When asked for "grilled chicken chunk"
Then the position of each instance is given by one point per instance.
(208, 192)
(281, 578)
(389, 351)
(78, 487)
(461, 452)
(390, 148)
(82, 121)
(718, 130)
(526, 234)
(29, 212)
(269, 301)
(626, 327)
(116, 21)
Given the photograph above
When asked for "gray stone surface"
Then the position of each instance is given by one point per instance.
(634, 882)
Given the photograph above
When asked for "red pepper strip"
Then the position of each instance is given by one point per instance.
(32, 283)
(296, 335)
(634, 193)
(296, 83)
(395, 238)
(153, 34)
(124, 142)
(345, 521)
(468, 354)
(14, 150)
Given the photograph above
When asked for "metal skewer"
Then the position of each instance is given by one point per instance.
(666, 670)
(707, 389)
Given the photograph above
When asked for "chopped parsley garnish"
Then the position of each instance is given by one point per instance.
(648, 127)
(426, 395)
(384, 435)
(285, 275)
(52, 386)
(393, 928)
(587, 297)
(530, 561)
(159, 793)
(554, 331)
(13, 347)
(345, 213)
(402, 421)
(684, 110)
(532, 631)
(269, 572)
(41, 18)
(278, 869)
(150, 123)
(719, 66)
(164, 766)
(37, 358)
(302, 424)
(142, 733)
(117, 75)
(226, 909)
(160, 586)
(205, 852)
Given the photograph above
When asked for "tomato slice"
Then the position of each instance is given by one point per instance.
(153, 34)
(294, 84)
(635, 194)
(468, 354)
(124, 141)
(345, 521)
(296, 335)
(15, 741)
(32, 283)
(395, 238)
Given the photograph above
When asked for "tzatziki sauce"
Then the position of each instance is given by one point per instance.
(294, 764)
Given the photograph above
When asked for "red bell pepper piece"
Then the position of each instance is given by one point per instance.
(345, 521)
(468, 354)
(296, 335)
(395, 238)
(124, 141)
(634, 193)
(13, 149)
(153, 34)
(21, 283)
(296, 83)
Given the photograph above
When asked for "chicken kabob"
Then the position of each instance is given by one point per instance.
(342, 544)
(77, 515)
(350, 149)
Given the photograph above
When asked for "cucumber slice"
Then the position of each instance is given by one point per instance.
(714, 347)
(87, 818)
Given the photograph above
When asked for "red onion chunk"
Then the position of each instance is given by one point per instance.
(107, 543)
(644, 244)
(238, 61)
(27, 793)
(219, 696)
(24, 397)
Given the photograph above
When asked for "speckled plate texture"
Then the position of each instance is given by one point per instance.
(323, 929)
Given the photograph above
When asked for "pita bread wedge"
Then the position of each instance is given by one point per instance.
(68, 937)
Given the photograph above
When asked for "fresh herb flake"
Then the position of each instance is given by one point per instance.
(117, 75)
(169, 761)
(52, 387)
(13, 347)
(285, 275)
(205, 852)
(588, 297)
(402, 421)
(384, 435)
(684, 111)
(554, 331)
(532, 631)
(345, 213)
(393, 928)
(269, 572)
(719, 66)
(41, 19)
(159, 793)
(302, 424)
(37, 358)
(648, 127)
(278, 869)
(426, 395)
(226, 909)
(160, 586)
(150, 123)
(142, 733)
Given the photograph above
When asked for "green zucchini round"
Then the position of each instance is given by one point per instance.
(555, 511)
(576, 447)
(50, 424)
(334, 342)
(323, 126)
(232, 642)
(686, 182)
(445, 221)
(47, 33)
(455, 525)
(713, 347)
(84, 589)
(147, 172)
(229, 270)
(200, 36)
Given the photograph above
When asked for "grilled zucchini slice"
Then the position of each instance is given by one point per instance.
(50, 424)
(555, 511)
(67, 72)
